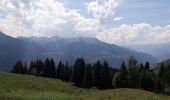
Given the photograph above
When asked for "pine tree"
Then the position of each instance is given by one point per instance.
(39, 66)
(167, 76)
(46, 69)
(18, 67)
(147, 66)
(49, 69)
(116, 80)
(161, 72)
(123, 76)
(133, 76)
(67, 73)
(159, 86)
(59, 70)
(62, 72)
(106, 78)
(78, 71)
(88, 80)
(141, 68)
(52, 69)
(97, 74)
(147, 80)
(160, 81)
(25, 69)
(32, 69)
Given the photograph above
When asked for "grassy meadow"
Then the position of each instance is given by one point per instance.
(26, 87)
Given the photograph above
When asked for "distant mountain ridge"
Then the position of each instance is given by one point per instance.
(161, 51)
(65, 49)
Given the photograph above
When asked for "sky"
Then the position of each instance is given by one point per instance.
(113, 21)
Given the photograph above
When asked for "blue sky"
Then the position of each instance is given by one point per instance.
(111, 21)
(155, 12)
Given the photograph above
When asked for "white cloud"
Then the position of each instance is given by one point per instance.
(103, 9)
(117, 18)
(136, 34)
(44, 18)
(50, 17)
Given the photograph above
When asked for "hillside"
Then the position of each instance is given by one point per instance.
(25, 87)
(159, 50)
(65, 49)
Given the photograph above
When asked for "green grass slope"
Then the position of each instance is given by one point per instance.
(25, 87)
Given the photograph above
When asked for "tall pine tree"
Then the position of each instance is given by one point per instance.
(18, 67)
(60, 69)
(97, 74)
(106, 78)
(49, 68)
(78, 72)
(67, 73)
(25, 69)
(133, 76)
(123, 76)
(88, 79)
(160, 81)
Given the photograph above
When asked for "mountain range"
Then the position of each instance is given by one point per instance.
(161, 51)
(64, 49)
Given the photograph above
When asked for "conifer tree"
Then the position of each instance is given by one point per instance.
(106, 78)
(78, 71)
(160, 81)
(159, 86)
(147, 66)
(141, 68)
(62, 72)
(59, 70)
(147, 77)
(67, 73)
(161, 72)
(97, 74)
(32, 69)
(18, 67)
(123, 76)
(39, 65)
(46, 69)
(25, 69)
(49, 70)
(88, 80)
(147, 80)
(52, 69)
(133, 75)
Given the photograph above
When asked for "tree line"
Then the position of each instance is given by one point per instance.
(99, 74)
(80, 74)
